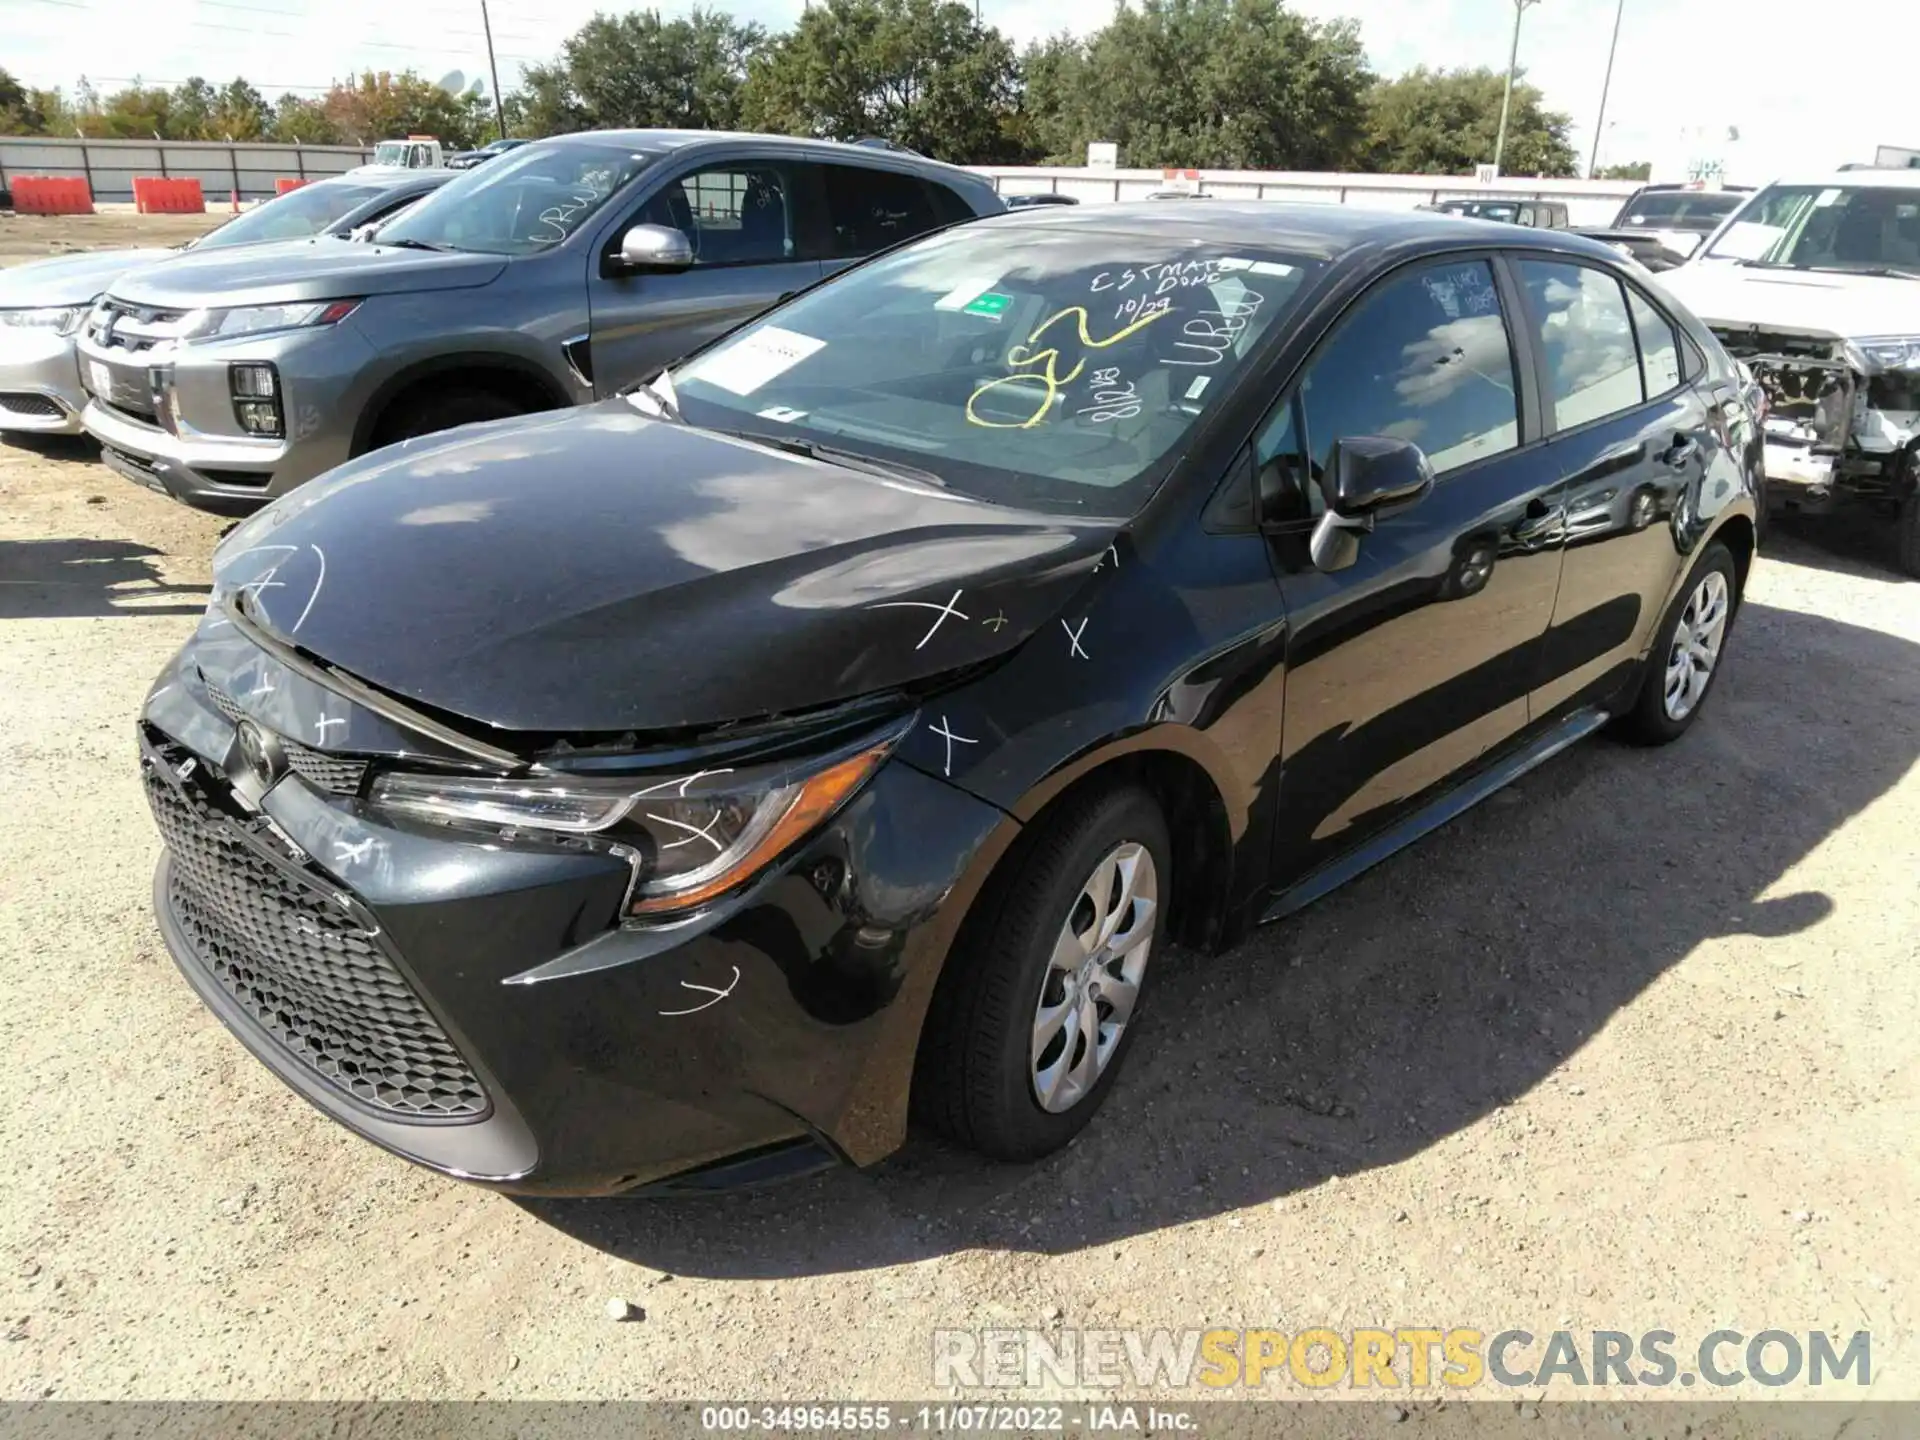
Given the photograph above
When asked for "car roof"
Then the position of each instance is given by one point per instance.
(1857, 179)
(1320, 232)
(799, 145)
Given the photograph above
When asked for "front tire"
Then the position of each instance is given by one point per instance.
(1687, 655)
(429, 414)
(1042, 996)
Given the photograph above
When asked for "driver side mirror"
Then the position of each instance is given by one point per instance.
(1367, 474)
(655, 247)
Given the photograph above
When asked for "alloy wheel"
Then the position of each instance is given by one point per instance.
(1697, 640)
(1093, 978)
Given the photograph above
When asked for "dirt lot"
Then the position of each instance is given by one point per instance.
(35, 237)
(1629, 1047)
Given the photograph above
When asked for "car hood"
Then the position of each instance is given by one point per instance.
(70, 279)
(323, 267)
(594, 570)
(1815, 302)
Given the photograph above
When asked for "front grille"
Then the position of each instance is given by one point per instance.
(303, 970)
(336, 774)
(139, 414)
(39, 406)
(127, 458)
(135, 328)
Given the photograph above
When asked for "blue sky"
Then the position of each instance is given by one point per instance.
(1806, 97)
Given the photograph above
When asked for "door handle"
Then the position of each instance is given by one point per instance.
(1681, 453)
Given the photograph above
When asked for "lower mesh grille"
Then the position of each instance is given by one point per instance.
(39, 406)
(306, 973)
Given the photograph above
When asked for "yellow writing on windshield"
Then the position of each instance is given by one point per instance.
(1045, 381)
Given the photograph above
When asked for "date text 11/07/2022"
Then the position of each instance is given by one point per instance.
(983, 1418)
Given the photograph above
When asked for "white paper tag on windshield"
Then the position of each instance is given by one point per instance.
(1825, 198)
(970, 288)
(1253, 267)
(754, 359)
(784, 414)
(1747, 240)
(1198, 387)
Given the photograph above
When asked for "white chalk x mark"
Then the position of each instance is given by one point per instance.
(717, 994)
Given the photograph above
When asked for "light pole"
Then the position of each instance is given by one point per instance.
(1506, 100)
(1600, 125)
(499, 105)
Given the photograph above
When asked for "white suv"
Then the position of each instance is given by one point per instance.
(1815, 285)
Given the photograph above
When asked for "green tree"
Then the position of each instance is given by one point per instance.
(242, 111)
(1232, 83)
(545, 103)
(301, 121)
(138, 112)
(19, 115)
(922, 73)
(640, 70)
(1641, 170)
(385, 106)
(191, 111)
(1444, 122)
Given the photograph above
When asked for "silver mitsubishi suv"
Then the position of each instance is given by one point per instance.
(556, 274)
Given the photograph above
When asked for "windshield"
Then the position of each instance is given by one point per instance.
(1056, 370)
(531, 198)
(1826, 227)
(1482, 209)
(1679, 209)
(292, 216)
(390, 152)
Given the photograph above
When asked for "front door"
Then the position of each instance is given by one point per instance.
(1408, 666)
(742, 220)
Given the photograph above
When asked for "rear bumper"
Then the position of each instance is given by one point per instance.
(605, 1062)
(40, 392)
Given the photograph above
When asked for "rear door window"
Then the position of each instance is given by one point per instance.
(1659, 345)
(1581, 324)
(869, 210)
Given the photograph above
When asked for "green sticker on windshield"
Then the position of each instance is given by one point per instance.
(992, 305)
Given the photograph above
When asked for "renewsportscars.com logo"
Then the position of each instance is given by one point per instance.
(1404, 1358)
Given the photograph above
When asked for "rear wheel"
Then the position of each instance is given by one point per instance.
(1686, 656)
(1040, 1002)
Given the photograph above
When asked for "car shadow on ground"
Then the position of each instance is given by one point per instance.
(43, 579)
(1852, 542)
(1442, 985)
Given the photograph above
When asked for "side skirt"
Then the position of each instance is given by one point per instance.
(1444, 807)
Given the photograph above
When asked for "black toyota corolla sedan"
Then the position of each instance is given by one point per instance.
(687, 788)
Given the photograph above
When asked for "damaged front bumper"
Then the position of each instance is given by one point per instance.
(1840, 425)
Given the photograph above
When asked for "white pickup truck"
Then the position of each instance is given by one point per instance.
(1814, 284)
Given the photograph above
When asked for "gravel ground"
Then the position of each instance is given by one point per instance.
(1619, 1049)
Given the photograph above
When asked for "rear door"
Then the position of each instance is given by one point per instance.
(1631, 435)
(745, 221)
(868, 208)
(1406, 668)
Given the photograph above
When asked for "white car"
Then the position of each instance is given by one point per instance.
(1815, 285)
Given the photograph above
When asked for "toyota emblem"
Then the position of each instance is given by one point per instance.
(261, 752)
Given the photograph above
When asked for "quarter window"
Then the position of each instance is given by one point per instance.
(1426, 358)
(733, 214)
(1659, 345)
(872, 209)
(1580, 313)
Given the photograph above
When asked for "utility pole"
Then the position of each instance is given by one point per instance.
(499, 105)
(1513, 63)
(1600, 125)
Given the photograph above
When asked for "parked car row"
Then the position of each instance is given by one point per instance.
(835, 713)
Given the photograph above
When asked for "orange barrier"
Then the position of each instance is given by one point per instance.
(153, 195)
(286, 183)
(52, 195)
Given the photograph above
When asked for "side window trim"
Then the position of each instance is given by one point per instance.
(1691, 361)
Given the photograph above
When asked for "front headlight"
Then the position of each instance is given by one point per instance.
(691, 838)
(1884, 352)
(263, 319)
(61, 319)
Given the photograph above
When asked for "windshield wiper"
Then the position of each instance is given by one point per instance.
(1886, 272)
(666, 408)
(834, 455)
(412, 244)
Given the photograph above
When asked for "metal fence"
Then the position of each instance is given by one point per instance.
(244, 168)
(1588, 202)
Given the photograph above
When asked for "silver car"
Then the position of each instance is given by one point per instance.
(42, 303)
(557, 273)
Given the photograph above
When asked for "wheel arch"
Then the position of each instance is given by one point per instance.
(511, 375)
